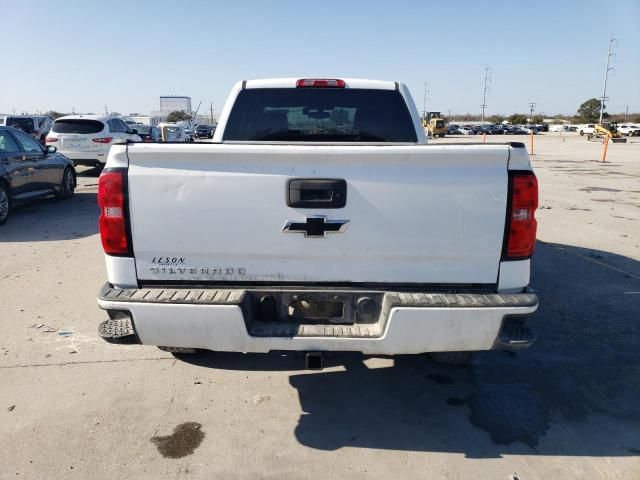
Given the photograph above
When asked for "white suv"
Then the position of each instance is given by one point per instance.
(86, 139)
(586, 129)
(629, 129)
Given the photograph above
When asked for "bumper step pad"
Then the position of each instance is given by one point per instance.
(516, 336)
(119, 330)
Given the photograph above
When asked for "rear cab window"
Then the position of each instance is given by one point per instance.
(320, 115)
(77, 125)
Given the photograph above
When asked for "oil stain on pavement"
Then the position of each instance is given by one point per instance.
(510, 413)
(185, 438)
(507, 412)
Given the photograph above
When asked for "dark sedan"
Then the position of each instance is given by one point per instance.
(203, 131)
(30, 170)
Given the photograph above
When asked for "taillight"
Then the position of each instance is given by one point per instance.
(102, 140)
(521, 223)
(50, 140)
(320, 83)
(113, 222)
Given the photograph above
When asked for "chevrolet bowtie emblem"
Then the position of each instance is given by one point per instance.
(316, 226)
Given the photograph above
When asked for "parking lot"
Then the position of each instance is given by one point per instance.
(73, 406)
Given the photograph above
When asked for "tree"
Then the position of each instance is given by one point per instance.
(53, 114)
(518, 119)
(178, 116)
(496, 118)
(589, 111)
(467, 117)
(537, 119)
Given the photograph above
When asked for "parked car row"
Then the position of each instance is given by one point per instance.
(626, 129)
(629, 129)
(29, 169)
(496, 129)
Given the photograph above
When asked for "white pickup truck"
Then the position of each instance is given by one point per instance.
(319, 220)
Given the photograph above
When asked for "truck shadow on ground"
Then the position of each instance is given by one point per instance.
(574, 393)
(51, 219)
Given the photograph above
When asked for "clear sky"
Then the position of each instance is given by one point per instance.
(125, 54)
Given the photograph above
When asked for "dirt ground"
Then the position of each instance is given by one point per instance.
(72, 406)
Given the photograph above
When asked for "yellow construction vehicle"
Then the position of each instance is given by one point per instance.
(435, 125)
(606, 129)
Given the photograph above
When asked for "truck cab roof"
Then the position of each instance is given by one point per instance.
(292, 83)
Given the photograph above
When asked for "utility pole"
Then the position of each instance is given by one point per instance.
(626, 112)
(487, 88)
(449, 111)
(194, 115)
(211, 113)
(612, 42)
(106, 110)
(532, 105)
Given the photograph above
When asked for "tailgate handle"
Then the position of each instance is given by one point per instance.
(317, 193)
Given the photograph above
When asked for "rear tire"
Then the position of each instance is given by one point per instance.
(5, 202)
(452, 358)
(68, 184)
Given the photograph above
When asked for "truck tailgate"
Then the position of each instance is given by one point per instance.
(416, 214)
